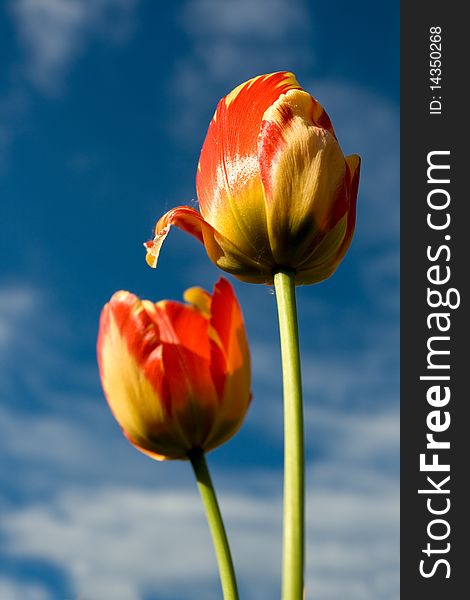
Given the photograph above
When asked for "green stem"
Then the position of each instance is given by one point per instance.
(294, 492)
(216, 524)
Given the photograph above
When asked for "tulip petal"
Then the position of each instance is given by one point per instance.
(200, 299)
(203, 301)
(231, 351)
(229, 188)
(302, 162)
(353, 163)
(184, 326)
(185, 218)
(329, 250)
(193, 396)
(130, 364)
(152, 453)
(227, 321)
(323, 261)
(221, 251)
(354, 167)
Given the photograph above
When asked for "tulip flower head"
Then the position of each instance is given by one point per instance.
(176, 376)
(274, 188)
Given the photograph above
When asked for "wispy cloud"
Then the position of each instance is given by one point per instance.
(16, 302)
(110, 521)
(20, 590)
(235, 38)
(102, 540)
(54, 34)
(90, 498)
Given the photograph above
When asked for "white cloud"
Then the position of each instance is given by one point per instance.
(54, 33)
(244, 19)
(22, 335)
(100, 521)
(118, 525)
(114, 532)
(123, 542)
(16, 304)
(51, 32)
(11, 589)
(52, 36)
(120, 540)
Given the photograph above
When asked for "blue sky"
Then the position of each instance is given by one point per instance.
(104, 106)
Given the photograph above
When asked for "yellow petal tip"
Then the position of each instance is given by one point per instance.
(153, 249)
(151, 256)
(200, 299)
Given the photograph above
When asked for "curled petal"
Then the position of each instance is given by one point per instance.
(221, 250)
(185, 218)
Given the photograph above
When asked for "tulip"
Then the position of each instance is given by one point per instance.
(275, 191)
(176, 376)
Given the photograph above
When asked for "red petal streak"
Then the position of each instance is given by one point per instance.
(271, 141)
(354, 167)
(137, 327)
(218, 367)
(320, 117)
(192, 392)
(346, 203)
(304, 275)
(183, 325)
(233, 133)
(280, 131)
(185, 218)
(227, 320)
(220, 250)
(130, 363)
(134, 324)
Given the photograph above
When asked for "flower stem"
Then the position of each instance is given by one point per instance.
(216, 524)
(294, 492)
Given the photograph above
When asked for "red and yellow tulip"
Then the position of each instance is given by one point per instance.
(176, 376)
(274, 188)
